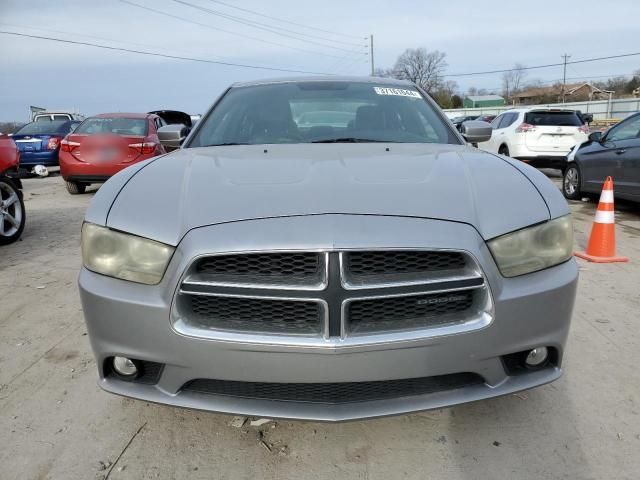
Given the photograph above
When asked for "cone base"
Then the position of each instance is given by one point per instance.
(594, 259)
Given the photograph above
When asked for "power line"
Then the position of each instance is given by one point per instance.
(586, 60)
(346, 62)
(227, 15)
(260, 26)
(72, 34)
(284, 21)
(163, 55)
(230, 32)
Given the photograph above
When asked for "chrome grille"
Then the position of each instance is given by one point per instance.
(330, 294)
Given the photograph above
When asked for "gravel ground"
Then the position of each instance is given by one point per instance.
(56, 424)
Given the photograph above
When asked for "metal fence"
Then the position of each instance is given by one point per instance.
(601, 109)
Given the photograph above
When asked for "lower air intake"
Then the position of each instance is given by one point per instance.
(334, 393)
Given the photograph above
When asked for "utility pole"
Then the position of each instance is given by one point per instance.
(565, 57)
(371, 52)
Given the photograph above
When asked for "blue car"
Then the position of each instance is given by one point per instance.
(39, 142)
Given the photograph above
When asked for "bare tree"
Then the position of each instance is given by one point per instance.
(512, 80)
(422, 67)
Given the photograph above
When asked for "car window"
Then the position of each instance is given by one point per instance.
(553, 119)
(496, 121)
(513, 116)
(304, 112)
(116, 125)
(158, 122)
(43, 128)
(625, 130)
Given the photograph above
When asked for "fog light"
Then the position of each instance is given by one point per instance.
(537, 357)
(124, 366)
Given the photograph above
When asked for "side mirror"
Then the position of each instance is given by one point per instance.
(476, 131)
(172, 136)
(595, 137)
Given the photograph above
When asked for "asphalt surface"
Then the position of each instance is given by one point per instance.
(55, 423)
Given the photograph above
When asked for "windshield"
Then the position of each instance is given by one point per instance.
(53, 117)
(116, 126)
(44, 128)
(316, 112)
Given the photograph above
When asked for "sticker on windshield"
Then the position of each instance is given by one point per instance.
(399, 92)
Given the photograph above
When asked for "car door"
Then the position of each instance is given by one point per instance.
(597, 161)
(624, 139)
(502, 131)
(491, 145)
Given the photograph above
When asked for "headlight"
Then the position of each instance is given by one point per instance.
(124, 256)
(534, 248)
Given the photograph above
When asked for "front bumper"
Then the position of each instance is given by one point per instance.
(136, 321)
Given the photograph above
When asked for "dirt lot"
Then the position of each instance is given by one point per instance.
(56, 424)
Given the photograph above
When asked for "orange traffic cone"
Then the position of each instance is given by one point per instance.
(602, 242)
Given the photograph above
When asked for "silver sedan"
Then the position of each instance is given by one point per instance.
(327, 249)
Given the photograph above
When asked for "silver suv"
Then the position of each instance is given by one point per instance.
(329, 249)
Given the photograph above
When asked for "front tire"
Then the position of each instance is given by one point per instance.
(75, 188)
(12, 213)
(571, 182)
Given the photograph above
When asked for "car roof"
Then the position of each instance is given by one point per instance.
(540, 109)
(327, 78)
(121, 115)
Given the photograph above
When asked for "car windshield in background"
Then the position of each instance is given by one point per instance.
(114, 126)
(560, 119)
(322, 112)
(50, 118)
(44, 128)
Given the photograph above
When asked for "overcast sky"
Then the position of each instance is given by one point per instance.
(475, 35)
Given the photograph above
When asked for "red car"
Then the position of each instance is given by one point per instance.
(103, 145)
(12, 216)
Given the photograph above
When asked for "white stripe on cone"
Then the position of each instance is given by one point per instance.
(603, 216)
(606, 196)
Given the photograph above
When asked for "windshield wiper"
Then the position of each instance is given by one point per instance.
(351, 140)
(228, 144)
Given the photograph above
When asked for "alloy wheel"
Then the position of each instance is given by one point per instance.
(571, 180)
(10, 210)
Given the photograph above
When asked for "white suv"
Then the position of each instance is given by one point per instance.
(542, 137)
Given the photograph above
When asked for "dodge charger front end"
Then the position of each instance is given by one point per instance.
(326, 249)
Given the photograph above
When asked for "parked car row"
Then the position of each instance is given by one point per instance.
(87, 151)
(92, 150)
(560, 139)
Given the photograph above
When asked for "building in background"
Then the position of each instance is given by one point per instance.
(479, 101)
(574, 92)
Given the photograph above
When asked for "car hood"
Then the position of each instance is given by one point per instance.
(195, 187)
